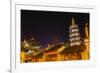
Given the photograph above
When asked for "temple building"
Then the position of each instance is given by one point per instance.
(86, 53)
(51, 53)
(29, 48)
(74, 34)
(76, 45)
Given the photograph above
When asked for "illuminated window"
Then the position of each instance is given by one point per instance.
(74, 30)
(78, 43)
(77, 38)
(75, 43)
(72, 39)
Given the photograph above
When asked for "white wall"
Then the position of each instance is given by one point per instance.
(5, 35)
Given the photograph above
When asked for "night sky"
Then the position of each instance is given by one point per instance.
(50, 27)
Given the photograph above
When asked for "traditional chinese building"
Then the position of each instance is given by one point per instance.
(53, 53)
(86, 53)
(74, 34)
(38, 57)
(76, 45)
(29, 48)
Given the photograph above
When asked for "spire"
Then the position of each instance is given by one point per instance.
(73, 22)
(86, 30)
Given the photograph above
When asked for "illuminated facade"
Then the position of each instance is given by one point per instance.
(74, 34)
(51, 53)
(86, 53)
(75, 41)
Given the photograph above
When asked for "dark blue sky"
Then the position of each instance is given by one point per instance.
(50, 27)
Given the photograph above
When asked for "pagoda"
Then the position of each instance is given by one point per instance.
(75, 43)
(74, 34)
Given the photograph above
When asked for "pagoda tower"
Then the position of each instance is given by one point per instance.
(74, 34)
(86, 53)
(74, 41)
